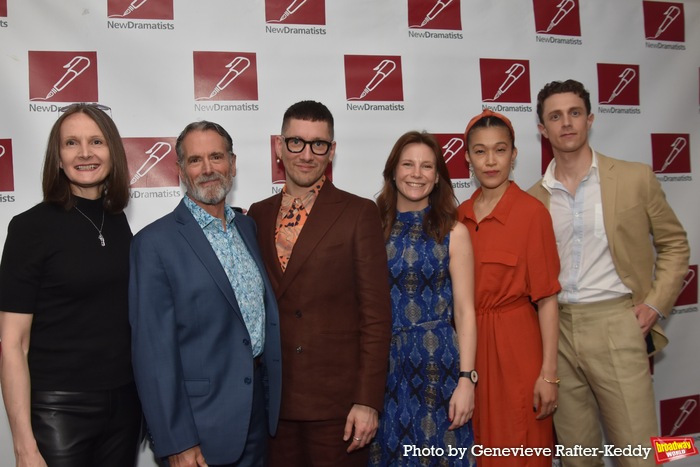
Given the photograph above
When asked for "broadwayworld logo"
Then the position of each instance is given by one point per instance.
(670, 449)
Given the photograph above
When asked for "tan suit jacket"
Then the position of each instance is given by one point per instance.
(648, 244)
(335, 311)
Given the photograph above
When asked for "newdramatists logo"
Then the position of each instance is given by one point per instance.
(62, 77)
(131, 14)
(373, 78)
(152, 164)
(618, 85)
(504, 80)
(557, 19)
(225, 76)
(688, 296)
(278, 174)
(680, 416)
(7, 181)
(670, 154)
(664, 22)
(453, 151)
(279, 14)
(434, 14)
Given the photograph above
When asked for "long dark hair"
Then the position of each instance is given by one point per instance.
(56, 185)
(442, 214)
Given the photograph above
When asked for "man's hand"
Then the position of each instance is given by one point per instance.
(364, 420)
(646, 316)
(192, 457)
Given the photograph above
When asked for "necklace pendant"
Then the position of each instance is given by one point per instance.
(102, 239)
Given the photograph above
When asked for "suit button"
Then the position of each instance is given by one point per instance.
(247, 380)
(246, 342)
(299, 349)
(297, 314)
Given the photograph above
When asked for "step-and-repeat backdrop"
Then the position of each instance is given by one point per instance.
(383, 67)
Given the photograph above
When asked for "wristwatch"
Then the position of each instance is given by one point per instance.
(472, 375)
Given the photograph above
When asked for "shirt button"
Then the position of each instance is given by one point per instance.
(247, 380)
(299, 349)
(297, 314)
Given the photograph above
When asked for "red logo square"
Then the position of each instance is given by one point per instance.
(664, 21)
(152, 162)
(7, 181)
(689, 290)
(3, 8)
(504, 80)
(680, 416)
(63, 76)
(670, 153)
(547, 153)
(560, 18)
(435, 14)
(296, 12)
(225, 76)
(373, 78)
(140, 9)
(279, 176)
(618, 84)
(453, 151)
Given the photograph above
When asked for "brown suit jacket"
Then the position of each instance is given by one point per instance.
(648, 244)
(335, 311)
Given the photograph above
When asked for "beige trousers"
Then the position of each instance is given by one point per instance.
(605, 380)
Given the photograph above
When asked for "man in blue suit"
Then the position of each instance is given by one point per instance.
(206, 343)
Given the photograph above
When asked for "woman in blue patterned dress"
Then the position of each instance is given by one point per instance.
(430, 386)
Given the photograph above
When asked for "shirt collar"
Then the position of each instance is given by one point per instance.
(203, 218)
(549, 181)
(502, 209)
(311, 195)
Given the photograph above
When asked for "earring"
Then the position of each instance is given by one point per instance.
(278, 160)
(471, 172)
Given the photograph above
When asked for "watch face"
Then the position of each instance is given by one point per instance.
(474, 376)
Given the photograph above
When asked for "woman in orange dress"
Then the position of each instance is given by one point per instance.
(516, 282)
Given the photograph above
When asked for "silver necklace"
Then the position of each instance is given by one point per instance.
(99, 231)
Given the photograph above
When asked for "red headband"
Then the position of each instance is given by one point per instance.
(490, 113)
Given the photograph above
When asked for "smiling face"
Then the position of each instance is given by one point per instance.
(415, 177)
(207, 169)
(565, 122)
(85, 157)
(491, 155)
(304, 169)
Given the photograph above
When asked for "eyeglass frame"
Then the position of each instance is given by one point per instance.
(307, 143)
(105, 108)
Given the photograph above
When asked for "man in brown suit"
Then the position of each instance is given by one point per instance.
(325, 255)
(623, 257)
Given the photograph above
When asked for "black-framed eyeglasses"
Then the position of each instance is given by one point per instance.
(296, 145)
(102, 107)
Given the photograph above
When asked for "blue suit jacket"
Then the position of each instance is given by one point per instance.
(192, 356)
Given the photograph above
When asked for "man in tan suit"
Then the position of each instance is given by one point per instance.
(623, 257)
(324, 252)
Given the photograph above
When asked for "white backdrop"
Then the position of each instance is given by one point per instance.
(158, 67)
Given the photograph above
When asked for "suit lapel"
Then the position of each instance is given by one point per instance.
(324, 214)
(201, 247)
(608, 194)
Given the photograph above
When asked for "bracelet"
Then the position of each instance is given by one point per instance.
(556, 381)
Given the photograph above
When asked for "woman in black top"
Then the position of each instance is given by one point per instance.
(65, 365)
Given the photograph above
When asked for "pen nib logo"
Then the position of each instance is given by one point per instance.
(133, 6)
(625, 78)
(670, 15)
(513, 74)
(563, 8)
(438, 8)
(235, 69)
(384, 69)
(74, 68)
(289, 11)
(156, 154)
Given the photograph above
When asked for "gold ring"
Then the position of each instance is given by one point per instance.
(357, 439)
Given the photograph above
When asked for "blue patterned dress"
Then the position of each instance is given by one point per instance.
(424, 357)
